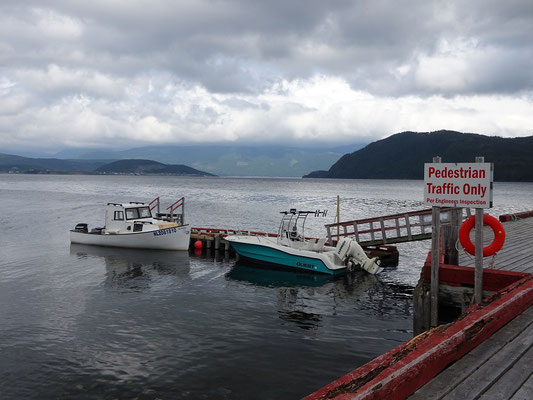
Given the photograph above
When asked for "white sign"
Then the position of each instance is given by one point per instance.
(458, 184)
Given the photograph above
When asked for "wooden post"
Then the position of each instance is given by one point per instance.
(435, 258)
(408, 226)
(422, 224)
(478, 274)
(383, 232)
(338, 216)
(450, 236)
(356, 231)
(398, 232)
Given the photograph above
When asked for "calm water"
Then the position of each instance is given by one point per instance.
(94, 323)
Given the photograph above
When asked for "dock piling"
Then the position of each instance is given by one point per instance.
(478, 285)
(435, 259)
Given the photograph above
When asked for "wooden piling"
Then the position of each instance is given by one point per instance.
(478, 286)
(435, 260)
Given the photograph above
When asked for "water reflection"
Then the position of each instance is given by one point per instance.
(133, 269)
(305, 299)
(276, 277)
(212, 254)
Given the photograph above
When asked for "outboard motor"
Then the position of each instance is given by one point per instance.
(353, 255)
(81, 228)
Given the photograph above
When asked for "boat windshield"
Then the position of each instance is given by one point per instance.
(138, 212)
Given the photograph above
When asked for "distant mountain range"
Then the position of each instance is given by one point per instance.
(16, 164)
(402, 156)
(13, 163)
(228, 160)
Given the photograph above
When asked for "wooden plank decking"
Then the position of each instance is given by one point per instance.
(502, 366)
(499, 368)
(517, 251)
(485, 354)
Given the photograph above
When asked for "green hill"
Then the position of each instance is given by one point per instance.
(12, 163)
(402, 156)
(148, 167)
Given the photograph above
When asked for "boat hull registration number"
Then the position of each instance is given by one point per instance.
(166, 231)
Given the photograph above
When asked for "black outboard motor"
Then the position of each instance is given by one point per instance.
(81, 228)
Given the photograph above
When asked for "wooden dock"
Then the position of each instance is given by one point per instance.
(499, 368)
(502, 366)
(487, 353)
(515, 255)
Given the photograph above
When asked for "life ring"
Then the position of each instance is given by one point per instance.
(497, 228)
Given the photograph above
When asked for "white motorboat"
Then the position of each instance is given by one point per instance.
(132, 225)
(292, 250)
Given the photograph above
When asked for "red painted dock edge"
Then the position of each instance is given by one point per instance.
(512, 217)
(401, 371)
(456, 275)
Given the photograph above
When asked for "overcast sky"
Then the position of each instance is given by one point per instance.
(125, 73)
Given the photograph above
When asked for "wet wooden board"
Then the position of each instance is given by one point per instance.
(517, 252)
(525, 392)
(499, 368)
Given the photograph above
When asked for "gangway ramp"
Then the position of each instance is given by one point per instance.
(390, 229)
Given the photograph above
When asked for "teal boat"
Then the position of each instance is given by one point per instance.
(290, 249)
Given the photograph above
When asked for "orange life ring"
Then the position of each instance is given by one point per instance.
(497, 228)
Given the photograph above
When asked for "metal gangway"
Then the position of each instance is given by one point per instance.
(390, 229)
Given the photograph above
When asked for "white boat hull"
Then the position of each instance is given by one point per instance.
(174, 238)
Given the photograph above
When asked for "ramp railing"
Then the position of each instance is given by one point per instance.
(389, 229)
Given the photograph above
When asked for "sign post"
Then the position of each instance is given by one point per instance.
(478, 272)
(435, 260)
(457, 185)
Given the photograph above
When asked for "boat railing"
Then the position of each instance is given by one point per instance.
(175, 212)
(179, 217)
(155, 203)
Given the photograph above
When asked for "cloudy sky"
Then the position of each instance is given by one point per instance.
(125, 73)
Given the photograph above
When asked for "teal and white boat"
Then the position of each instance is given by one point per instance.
(292, 250)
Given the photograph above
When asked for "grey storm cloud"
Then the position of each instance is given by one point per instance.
(244, 45)
(101, 70)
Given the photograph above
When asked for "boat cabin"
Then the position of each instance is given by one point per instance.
(129, 217)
